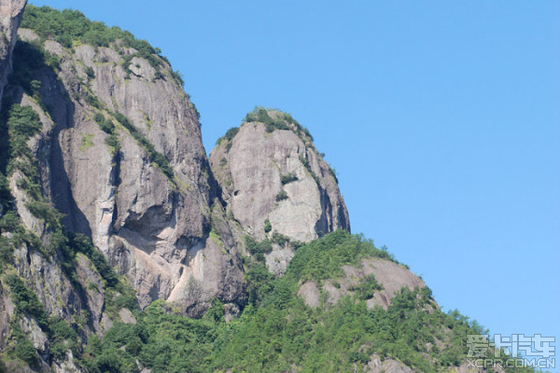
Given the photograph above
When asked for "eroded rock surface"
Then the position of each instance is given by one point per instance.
(391, 276)
(121, 156)
(278, 177)
(376, 365)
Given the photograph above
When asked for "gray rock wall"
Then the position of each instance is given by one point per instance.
(250, 168)
(152, 225)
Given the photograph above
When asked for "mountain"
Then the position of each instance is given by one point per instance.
(124, 248)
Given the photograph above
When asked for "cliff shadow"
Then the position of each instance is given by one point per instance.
(35, 73)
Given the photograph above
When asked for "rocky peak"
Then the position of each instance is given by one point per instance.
(274, 180)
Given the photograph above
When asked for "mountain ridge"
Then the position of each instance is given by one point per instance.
(126, 248)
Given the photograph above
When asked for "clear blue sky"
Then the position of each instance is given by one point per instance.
(441, 118)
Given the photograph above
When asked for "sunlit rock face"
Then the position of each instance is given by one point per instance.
(143, 190)
(276, 182)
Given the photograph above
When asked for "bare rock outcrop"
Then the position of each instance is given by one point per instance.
(390, 276)
(11, 12)
(376, 365)
(274, 180)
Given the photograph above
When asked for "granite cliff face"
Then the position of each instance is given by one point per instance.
(275, 174)
(123, 160)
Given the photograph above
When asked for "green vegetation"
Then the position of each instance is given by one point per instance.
(148, 121)
(91, 99)
(108, 127)
(6, 200)
(3, 368)
(230, 134)
(105, 125)
(26, 301)
(18, 124)
(81, 244)
(155, 157)
(288, 178)
(215, 237)
(278, 121)
(160, 341)
(71, 28)
(89, 72)
(86, 142)
(45, 211)
(323, 258)
(61, 336)
(303, 159)
(277, 332)
(22, 346)
(260, 114)
(228, 138)
(229, 144)
(332, 171)
(257, 249)
(12, 235)
(267, 225)
(366, 287)
(282, 195)
(280, 239)
(22, 122)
